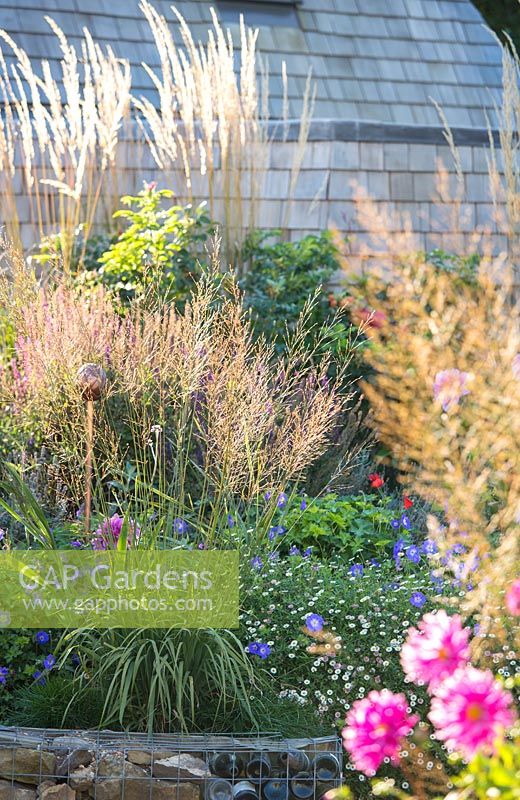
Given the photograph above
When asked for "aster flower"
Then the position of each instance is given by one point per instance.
(435, 649)
(314, 622)
(375, 729)
(513, 598)
(449, 386)
(418, 599)
(470, 711)
(42, 637)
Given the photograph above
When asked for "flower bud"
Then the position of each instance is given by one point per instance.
(92, 381)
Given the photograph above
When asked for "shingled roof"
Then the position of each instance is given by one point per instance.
(379, 60)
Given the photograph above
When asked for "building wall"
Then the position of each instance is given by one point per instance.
(396, 166)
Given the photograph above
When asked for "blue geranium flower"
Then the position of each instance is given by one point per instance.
(418, 599)
(356, 570)
(267, 496)
(398, 551)
(230, 521)
(303, 504)
(49, 661)
(307, 552)
(42, 637)
(429, 547)
(272, 533)
(4, 672)
(395, 523)
(374, 562)
(263, 650)
(405, 522)
(294, 551)
(458, 549)
(274, 556)
(314, 622)
(76, 544)
(180, 525)
(281, 500)
(257, 563)
(39, 677)
(252, 648)
(413, 554)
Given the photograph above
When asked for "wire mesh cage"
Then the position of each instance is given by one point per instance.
(43, 764)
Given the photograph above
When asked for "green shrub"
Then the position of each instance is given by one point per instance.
(281, 278)
(157, 252)
(352, 527)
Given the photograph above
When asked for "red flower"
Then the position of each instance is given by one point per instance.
(376, 481)
(407, 502)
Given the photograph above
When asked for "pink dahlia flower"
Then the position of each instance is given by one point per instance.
(435, 649)
(375, 729)
(470, 711)
(449, 386)
(107, 535)
(513, 598)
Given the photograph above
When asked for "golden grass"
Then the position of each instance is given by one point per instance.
(58, 147)
(65, 151)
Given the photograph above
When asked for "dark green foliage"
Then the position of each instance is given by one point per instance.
(281, 278)
(351, 527)
(501, 16)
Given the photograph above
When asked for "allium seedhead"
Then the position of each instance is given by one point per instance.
(92, 380)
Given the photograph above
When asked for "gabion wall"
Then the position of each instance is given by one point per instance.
(77, 765)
